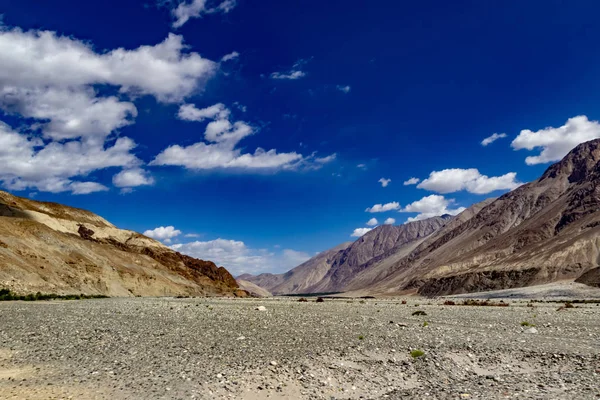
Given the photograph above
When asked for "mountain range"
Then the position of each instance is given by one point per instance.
(544, 231)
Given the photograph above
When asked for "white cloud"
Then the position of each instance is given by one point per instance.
(491, 139)
(327, 159)
(163, 233)
(294, 73)
(221, 151)
(372, 222)
(358, 232)
(412, 181)
(231, 56)
(189, 112)
(86, 187)
(389, 221)
(27, 162)
(555, 143)
(129, 178)
(362, 166)
(52, 80)
(431, 206)
(384, 207)
(384, 182)
(70, 113)
(239, 258)
(196, 8)
(191, 235)
(346, 89)
(471, 180)
(39, 59)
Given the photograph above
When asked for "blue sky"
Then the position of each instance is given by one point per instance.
(150, 114)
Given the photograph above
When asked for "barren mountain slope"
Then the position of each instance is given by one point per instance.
(253, 289)
(51, 248)
(299, 279)
(382, 242)
(544, 231)
(380, 267)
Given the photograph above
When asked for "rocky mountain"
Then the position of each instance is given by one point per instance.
(545, 231)
(52, 248)
(334, 269)
(301, 278)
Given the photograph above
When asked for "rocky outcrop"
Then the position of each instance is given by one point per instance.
(53, 248)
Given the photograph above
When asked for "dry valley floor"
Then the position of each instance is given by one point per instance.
(340, 349)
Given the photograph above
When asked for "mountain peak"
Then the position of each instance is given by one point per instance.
(578, 164)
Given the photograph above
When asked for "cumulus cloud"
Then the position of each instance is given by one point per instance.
(358, 232)
(189, 112)
(384, 207)
(238, 258)
(39, 59)
(555, 143)
(345, 89)
(27, 162)
(221, 151)
(294, 73)
(431, 206)
(51, 80)
(384, 182)
(197, 8)
(412, 181)
(163, 233)
(134, 177)
(491, 139)
(471, 180)
(372, 222)
(389, 221)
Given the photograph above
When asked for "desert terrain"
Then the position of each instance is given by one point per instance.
(199, 348)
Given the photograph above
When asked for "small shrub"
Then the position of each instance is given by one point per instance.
(417, 353)
(525, 323)
(449, 303)
(425, 324)
(361, 337)
(320, 300)
(302, 300)
(403, 301)
(419, 312)
(569, 305)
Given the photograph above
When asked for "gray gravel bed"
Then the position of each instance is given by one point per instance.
(219, 348)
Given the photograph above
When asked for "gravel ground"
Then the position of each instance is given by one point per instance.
(340, 349)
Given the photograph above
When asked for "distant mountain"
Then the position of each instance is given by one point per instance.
(52, 248)
(334, 269)
(253, 289)
(547, 230)
(544, 231)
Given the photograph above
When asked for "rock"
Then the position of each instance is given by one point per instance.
(273, 363)
(261, 308)
(531, 330)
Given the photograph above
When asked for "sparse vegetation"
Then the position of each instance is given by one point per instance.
(425, 324)
(525, 323)
(7, 295)
(484, 303)
(449, 303)
(302, 300)
(419, 312)
(361, 337)
(417, 353)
